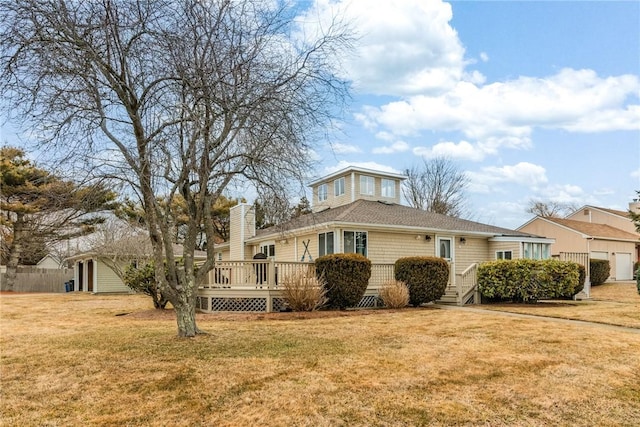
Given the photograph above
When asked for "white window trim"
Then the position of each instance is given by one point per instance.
(336, 185)
(355, 241)
(323, 190)
(503, 253)
(373, 185)
(392, 187)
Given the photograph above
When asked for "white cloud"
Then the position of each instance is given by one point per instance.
(504, 114)
(396, 147)
(340, 148)
(484, 57)
(635, 173)
(462, 150)
(403, 47)
(490, 178)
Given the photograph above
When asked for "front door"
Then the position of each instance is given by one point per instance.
(444, 248)
(90, 275)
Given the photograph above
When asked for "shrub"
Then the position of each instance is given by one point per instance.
(638, 279)
(394, 294)
(582, 275)
(600, 270)
(528, 280)
(346, 277)
(304, 293)
(426, 278)
(143, 279)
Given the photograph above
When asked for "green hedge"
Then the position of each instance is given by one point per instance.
(526, 280)
(426, 278)
(346, 277)
(600, 270)
(638, 279)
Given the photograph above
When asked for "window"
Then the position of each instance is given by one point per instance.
(322, 193)
(536, 250)
(355, 242)
(504, 255)
(388, 188)
(268, 250)
(325, 243)
(367, 185)
(338, 187)
(219, 256)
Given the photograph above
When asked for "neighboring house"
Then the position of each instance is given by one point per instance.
(50, 262)
(92, 271)
(358, 210)
(601, 233)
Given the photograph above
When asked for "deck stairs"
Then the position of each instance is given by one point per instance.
(463, 289)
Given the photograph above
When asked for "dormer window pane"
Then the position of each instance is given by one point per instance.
(388, 188)
(322, 193)
(367, 185)
(338, 187)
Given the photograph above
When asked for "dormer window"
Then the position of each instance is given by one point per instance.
(388, 188)
(322, 192)
(367, 185)
(338, 187)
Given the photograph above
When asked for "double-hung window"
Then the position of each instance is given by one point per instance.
(388, 188)
(325, 243)
(322, 192)
(355, 242)
(338, 187)
(367, 185)
(504, 255)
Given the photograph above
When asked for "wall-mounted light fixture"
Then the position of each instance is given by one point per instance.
(463, 240)
(427, 238)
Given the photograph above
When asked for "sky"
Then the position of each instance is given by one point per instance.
(531, 99)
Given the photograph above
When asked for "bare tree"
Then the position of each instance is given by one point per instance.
(438, 185)
(174, 98)
(550, 208)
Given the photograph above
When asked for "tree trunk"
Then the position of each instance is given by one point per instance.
(185, 307)
(15, 251)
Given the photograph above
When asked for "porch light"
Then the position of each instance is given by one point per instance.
(463, 240)
(427, 238)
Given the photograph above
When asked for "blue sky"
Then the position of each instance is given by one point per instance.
(533, 100)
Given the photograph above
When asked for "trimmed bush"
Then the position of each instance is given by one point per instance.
(638, 279)
(426, 278)
(526, 280)
(143, 279)
(304, 293)
(600, 270)
(394, 294)
(346, 277)
(582, 275)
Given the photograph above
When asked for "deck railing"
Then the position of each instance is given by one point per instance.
(256, 285)
(467, 285)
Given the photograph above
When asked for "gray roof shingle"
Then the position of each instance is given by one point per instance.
(366, 212)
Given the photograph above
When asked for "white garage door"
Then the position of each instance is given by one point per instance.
(623, 266)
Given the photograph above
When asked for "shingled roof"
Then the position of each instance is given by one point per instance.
(591, 229)
(366, 213)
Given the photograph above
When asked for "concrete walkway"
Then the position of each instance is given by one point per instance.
(606, 326)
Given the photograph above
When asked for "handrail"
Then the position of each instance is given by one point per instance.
(468, 284)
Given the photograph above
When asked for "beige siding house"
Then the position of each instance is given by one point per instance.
(92, 273)
(601, 233)
(358, 210)
(355, 210)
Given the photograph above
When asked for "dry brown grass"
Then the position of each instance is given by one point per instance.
(68, 359)
(611, 303)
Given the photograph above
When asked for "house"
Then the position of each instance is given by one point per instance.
(50, 262)
(357, 210)
(96, 271)
(599, 232)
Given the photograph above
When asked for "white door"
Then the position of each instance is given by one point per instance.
(444, 248)
(623, 266)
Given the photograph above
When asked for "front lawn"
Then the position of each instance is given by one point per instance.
(73, 359)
